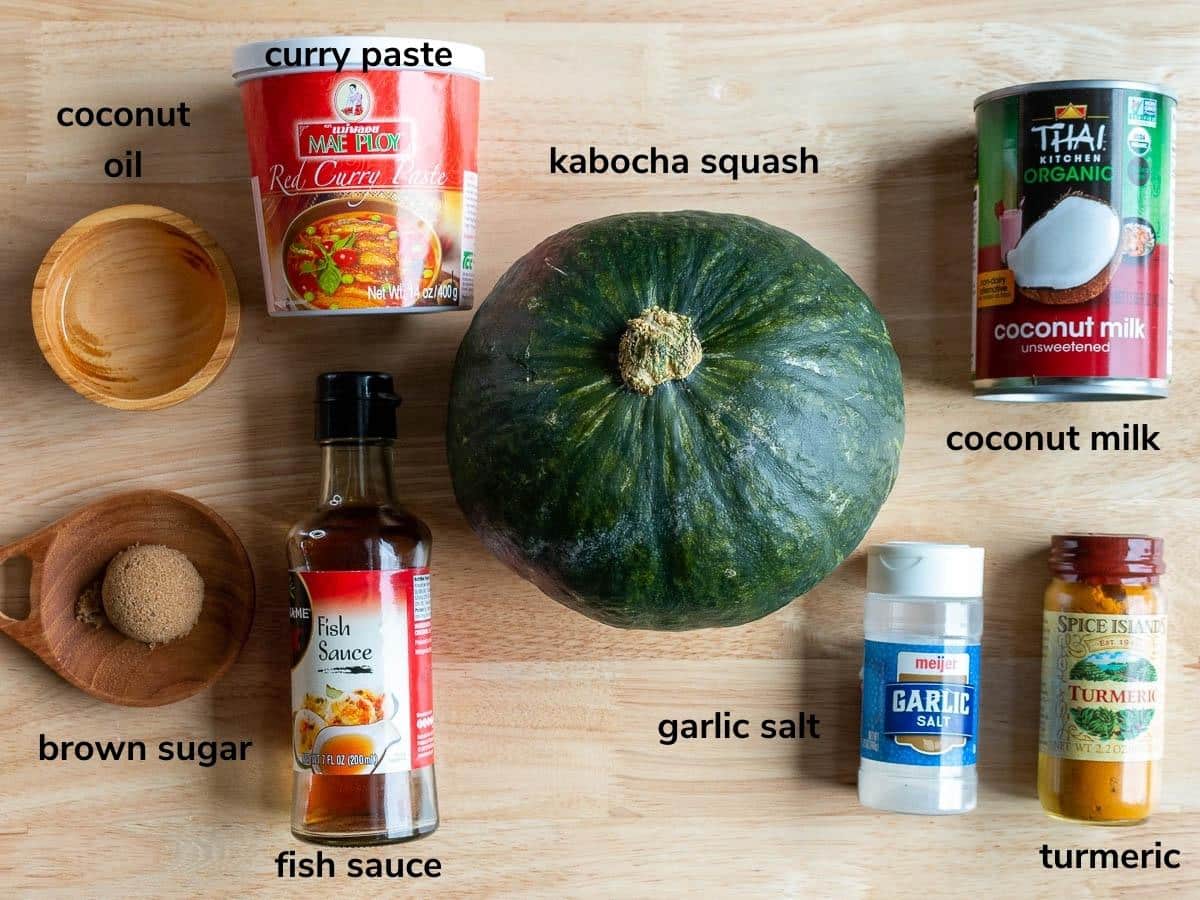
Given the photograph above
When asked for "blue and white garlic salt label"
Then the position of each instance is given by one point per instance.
(920, 703)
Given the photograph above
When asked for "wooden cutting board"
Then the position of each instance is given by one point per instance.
(552, 778)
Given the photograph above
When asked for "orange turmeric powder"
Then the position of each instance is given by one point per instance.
(1102, 685)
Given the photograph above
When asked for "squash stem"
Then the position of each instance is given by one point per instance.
(657, 346)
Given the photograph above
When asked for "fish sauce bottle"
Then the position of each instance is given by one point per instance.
(922, 625)
(362, 692)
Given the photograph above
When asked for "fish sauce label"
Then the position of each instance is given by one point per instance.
(1074, 230)
(1103, 689)
(920, 703)
(362, 686)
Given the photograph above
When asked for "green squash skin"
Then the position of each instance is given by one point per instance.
(714, 501)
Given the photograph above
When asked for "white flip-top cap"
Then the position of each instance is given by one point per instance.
(913, 569)
(249, 60)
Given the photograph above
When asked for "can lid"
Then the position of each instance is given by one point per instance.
(250, 60)
(1079, 83)
(916, 569)
(1115, 555)
(356, 406)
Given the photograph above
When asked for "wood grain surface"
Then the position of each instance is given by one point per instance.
(552, 780)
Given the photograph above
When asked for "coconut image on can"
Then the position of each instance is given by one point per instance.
(1074, 221)
(1069, 255)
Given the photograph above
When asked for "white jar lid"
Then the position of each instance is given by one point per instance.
(914, 569)
(250, 60)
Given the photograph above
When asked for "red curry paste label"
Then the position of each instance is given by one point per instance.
(1074, 219)
(362, 686)
(366, 189)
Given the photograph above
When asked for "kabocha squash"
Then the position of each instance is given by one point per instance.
(674, 420)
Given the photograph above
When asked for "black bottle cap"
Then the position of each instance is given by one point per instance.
(356, 406)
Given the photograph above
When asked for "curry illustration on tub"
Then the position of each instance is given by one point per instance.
(343, 255)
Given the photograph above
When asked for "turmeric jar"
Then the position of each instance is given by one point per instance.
(1104, 644)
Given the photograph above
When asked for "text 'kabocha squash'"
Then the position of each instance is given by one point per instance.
(674, 420)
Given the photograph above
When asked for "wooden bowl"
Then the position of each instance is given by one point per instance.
(136, 307)
(74, 552)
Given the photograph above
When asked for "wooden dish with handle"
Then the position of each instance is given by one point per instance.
(73, 553)
(136, 307)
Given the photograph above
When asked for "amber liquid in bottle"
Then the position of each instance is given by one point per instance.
(359, 525)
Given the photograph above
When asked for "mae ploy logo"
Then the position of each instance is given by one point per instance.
(353, 134)
(352, 100)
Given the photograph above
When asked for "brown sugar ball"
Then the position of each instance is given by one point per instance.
(152, 593)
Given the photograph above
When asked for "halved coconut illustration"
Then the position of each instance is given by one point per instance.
(1069, 255)
(306, 724)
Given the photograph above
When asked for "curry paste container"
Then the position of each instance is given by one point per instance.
(365, 183)
(1074, 216)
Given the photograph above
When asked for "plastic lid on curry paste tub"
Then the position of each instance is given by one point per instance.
(250, 60)
(1114, 555)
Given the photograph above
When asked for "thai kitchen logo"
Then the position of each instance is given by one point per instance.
(351, 100)
(1070, 111)
(1071, 145)
(1071, 136)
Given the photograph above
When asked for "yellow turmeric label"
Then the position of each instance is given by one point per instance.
(1103, 686)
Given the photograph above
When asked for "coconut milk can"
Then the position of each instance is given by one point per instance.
(1074, 210)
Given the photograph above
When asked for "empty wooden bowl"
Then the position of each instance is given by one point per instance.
(74, 552)
(136, 307)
